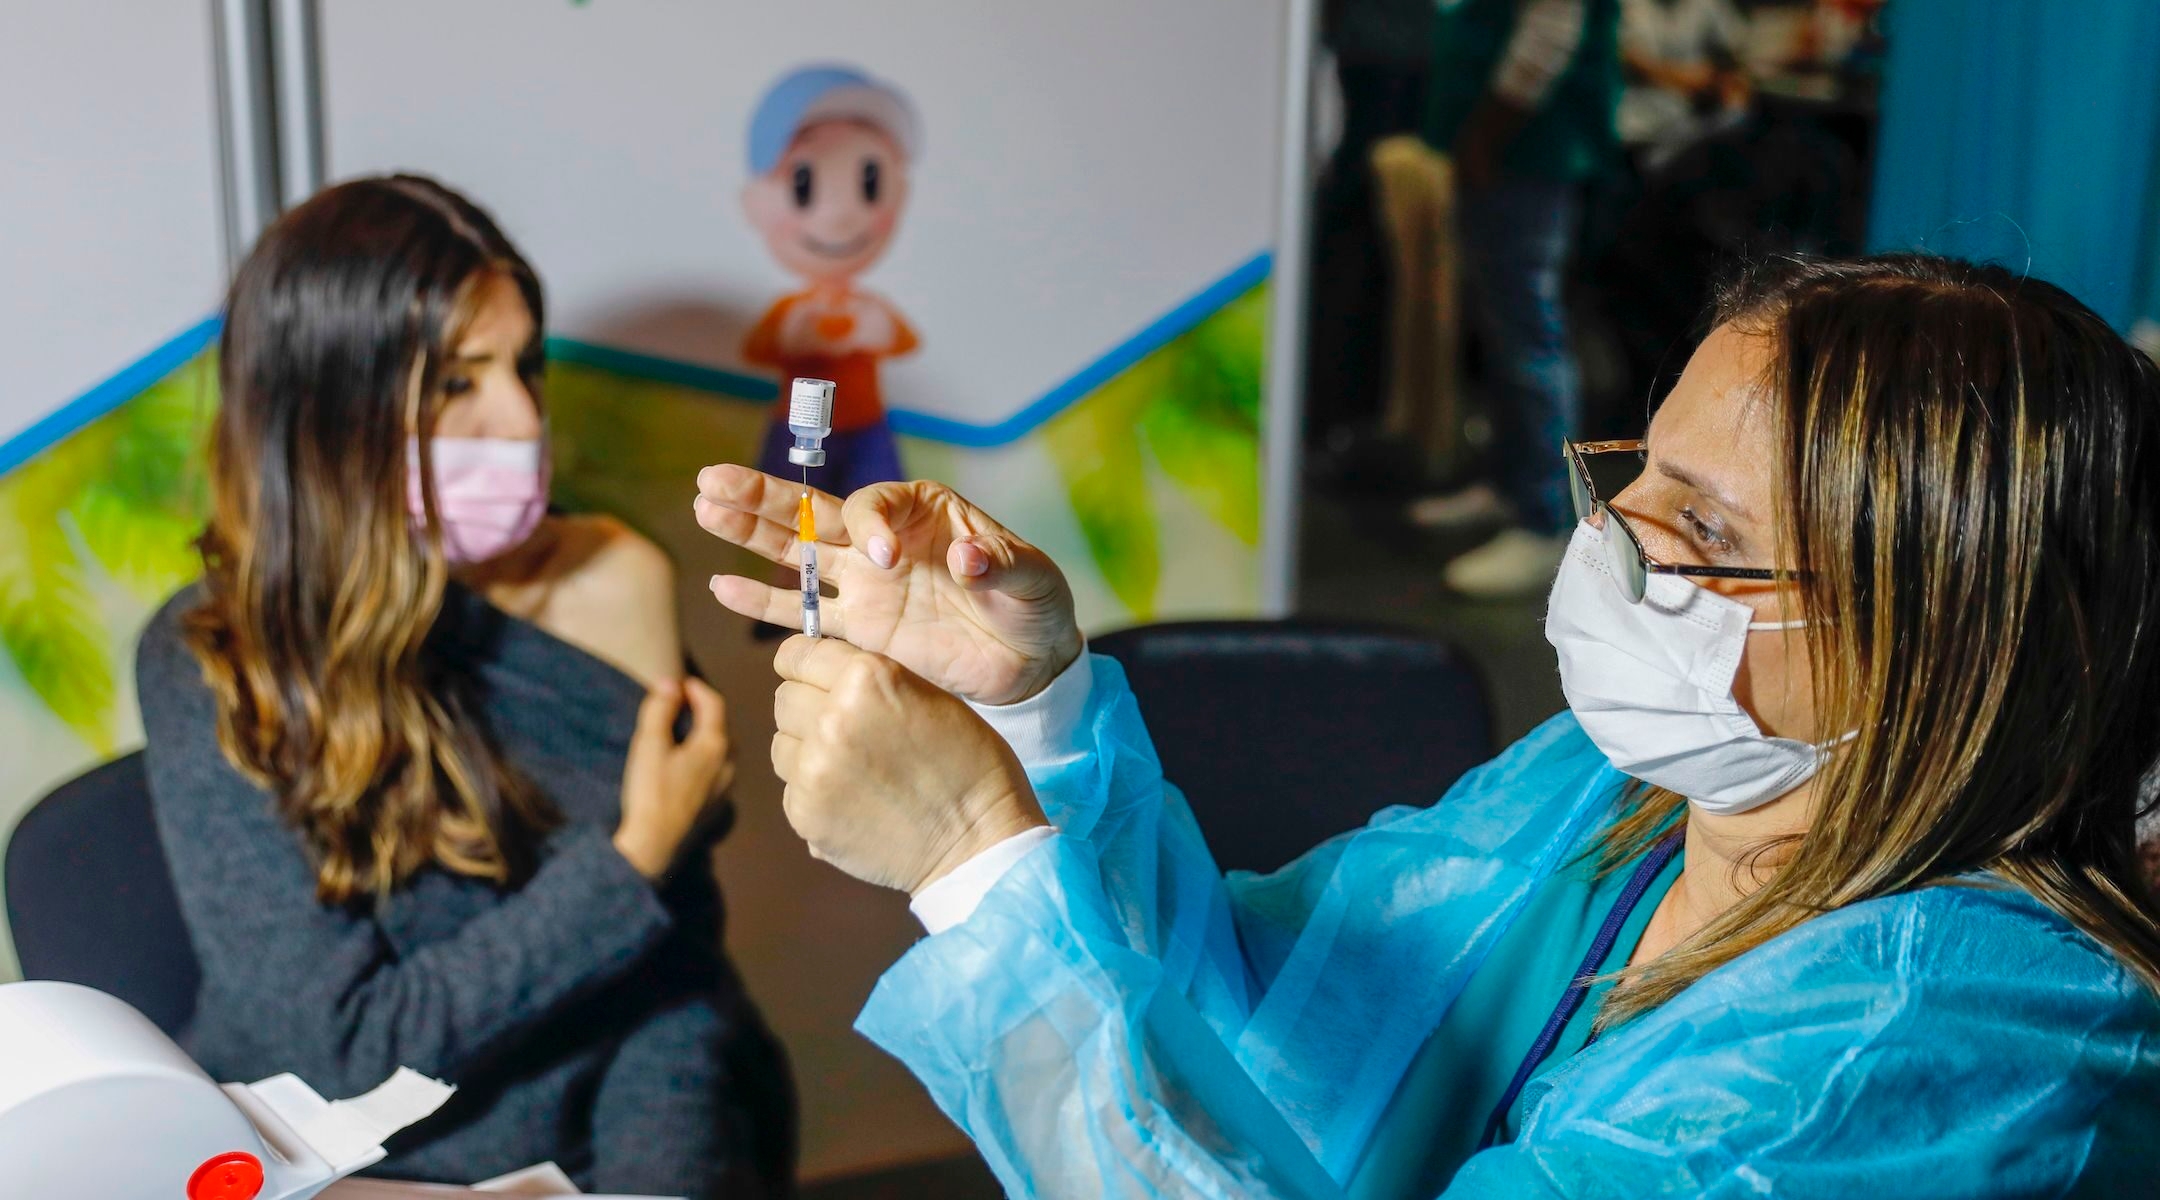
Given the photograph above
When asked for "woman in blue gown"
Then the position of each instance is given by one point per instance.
(1824, 885)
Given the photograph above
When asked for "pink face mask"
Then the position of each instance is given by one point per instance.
(489, 492)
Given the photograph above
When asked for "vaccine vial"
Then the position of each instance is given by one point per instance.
(809, 418)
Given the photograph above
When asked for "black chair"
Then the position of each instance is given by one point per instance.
(91, 901)
(1285, 733)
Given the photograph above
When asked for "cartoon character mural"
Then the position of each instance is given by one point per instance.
(830, 149)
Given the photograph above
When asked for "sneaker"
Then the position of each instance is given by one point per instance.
(1477, 504)
(1517, 563)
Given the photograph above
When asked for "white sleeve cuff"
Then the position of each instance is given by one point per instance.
(1043, 727)
(954, 898)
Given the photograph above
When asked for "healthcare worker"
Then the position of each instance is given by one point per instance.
(1862, 678)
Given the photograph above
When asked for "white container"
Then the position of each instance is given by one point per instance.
(96, 1103)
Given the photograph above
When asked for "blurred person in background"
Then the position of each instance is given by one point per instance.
(413, 741)
(1382, 51)
(1522, 98)
(1684, 80)
(1748, 136)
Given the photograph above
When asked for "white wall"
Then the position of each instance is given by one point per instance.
(109, 247)
(1087, 167)
(109, 229)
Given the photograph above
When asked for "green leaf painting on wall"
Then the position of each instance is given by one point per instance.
(117, 504)
(1205, 428)
(99, 528)
(1192, 409)
(1096, 447)
(49, 622)
(138, 516)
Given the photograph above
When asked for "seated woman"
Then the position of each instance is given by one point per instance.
(1823, 886)
(413, 741)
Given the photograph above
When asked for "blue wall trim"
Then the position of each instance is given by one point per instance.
(1159, 333)
(661, 370)
(1164, 330)
(124, 385)
(139, 376)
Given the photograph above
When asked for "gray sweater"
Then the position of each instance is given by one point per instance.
(585, 1017)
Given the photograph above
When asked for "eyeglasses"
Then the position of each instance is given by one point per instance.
(1631, 567)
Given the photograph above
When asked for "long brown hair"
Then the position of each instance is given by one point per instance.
(1972, 461)
(318, 598)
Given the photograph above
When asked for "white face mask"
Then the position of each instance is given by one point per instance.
(1651, 683)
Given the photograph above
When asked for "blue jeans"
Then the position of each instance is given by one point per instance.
(1517, 236)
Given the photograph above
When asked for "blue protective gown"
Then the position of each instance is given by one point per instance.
(1117, 1018)
(1437, 1117)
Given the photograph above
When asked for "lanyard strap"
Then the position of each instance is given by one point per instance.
(1571, 1000)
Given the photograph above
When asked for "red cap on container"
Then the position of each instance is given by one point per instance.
(234, 1176)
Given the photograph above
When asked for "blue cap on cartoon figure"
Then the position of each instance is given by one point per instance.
(826, 93)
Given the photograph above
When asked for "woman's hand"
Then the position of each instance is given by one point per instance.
(668, 785)
(889, 778)
(924, 577)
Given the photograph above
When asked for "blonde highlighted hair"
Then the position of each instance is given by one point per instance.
(318, 599)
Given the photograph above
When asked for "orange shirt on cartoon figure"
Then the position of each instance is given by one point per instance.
(837, 334)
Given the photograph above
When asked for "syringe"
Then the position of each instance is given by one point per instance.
(806, 529)
(810, 405)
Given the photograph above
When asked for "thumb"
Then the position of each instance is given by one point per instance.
(873, 515)
(708, 716)
(656, 713)
(999, 562)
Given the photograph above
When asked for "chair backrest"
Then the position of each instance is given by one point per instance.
(91, 901)
(1285, 733)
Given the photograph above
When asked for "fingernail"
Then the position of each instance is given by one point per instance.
(972, 560)
(881, 552)
(713, 585)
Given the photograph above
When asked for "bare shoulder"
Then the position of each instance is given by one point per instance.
(612, 591)
(608, 554)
